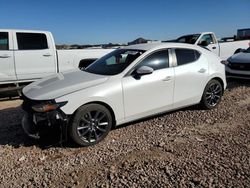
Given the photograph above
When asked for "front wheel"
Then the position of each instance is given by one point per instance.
(91, 124)
(212, 94)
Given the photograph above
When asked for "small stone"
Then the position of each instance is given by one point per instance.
(199, 140)
(22, 158)
(43, 158)
(161, 144)
(44, 184)
(112, 168)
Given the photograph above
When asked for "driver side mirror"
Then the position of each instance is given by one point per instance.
(144, 70)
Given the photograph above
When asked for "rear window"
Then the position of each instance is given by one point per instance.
(185, 56)
(32, 41)
(4, 41)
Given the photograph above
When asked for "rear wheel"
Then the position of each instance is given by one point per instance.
(91, 124)
(212, 94)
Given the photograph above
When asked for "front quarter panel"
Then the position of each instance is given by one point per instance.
(109, 93)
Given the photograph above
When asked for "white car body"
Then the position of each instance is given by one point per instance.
(239, 65)
(223, 49)
(130, 99)
(19, 66)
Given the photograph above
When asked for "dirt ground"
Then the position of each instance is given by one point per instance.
(185, 148)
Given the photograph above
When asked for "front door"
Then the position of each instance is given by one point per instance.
(149, 94)
(212, 44)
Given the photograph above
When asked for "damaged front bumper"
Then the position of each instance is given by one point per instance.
(35, 124)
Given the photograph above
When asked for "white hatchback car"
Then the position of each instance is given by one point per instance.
(127, 84)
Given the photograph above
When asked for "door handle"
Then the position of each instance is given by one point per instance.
(202, 70)
(47, 55)
(5, 56)
(214, 47)
(167, 78)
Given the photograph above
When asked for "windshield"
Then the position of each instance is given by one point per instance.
(190, 39)
(114, 62)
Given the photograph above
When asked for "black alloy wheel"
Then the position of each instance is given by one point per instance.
(212, 94)
(90, 124)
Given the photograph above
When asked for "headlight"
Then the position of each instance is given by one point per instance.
(46, 107)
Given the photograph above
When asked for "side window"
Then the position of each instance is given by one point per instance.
(208, 38)
(157, 60)
(4, 41)
(32, 41)
(185, 56)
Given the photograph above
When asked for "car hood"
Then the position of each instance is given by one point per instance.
(240, 58)
(61, 84)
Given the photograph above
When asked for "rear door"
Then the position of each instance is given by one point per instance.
(34, 55)
(191, 73)
(7, 67)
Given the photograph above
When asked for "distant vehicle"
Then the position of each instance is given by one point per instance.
(125, 85)
(208, 39)
(238, 65)
(243, 33)
(26, 56)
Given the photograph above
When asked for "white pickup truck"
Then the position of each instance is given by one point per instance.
(26, 56)
(208, 40)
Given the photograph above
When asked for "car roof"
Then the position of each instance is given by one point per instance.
(151, 46)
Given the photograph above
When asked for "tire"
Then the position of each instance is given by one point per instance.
(90, 124)
(212, 95)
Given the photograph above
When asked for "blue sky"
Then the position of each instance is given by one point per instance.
(103, 21)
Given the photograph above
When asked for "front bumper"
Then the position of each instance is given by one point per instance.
(242, 74)
(29, 127)
(35, 124)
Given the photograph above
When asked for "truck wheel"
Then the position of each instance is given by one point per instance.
(90, 125)
(212, 95)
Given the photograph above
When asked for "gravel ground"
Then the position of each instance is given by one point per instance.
(186, 148)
